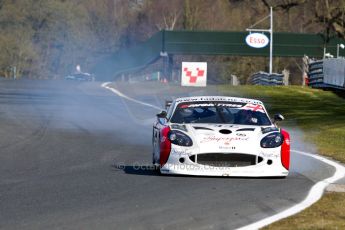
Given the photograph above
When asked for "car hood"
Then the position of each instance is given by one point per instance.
(213, 138)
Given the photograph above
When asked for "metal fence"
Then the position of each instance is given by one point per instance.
(327, 73)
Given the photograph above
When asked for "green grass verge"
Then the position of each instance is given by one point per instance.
(321, 115)
(328, 213)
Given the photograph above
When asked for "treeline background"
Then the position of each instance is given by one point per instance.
(46, 39)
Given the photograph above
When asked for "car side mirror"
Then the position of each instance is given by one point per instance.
(162, 117)
(162, 114)
(278, 117)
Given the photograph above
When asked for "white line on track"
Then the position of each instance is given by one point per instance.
(315, 193)
(313, 196)
(105, 85)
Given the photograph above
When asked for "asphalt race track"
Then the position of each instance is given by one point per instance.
(76, 156)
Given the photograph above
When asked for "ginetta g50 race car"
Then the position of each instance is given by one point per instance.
(220, 136)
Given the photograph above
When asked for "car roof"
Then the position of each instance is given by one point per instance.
(217, 98)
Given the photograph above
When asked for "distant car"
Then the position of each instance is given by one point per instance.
(80, 77)
(220, 136)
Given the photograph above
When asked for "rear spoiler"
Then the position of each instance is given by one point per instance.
(167, 104)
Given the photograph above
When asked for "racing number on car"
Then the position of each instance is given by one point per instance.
(255, 108)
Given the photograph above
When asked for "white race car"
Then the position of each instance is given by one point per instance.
(220, 136)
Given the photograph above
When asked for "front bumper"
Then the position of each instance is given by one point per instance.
(188, 164)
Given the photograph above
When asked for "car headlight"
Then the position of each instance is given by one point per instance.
(272, 140)
(179, 138)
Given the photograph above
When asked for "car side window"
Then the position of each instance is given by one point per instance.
(170, 110)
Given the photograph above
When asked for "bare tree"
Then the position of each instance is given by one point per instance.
(330, 14)
(191, 15)
(169, 20)
(284, 5)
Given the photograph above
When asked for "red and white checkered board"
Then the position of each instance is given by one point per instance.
(194, 74)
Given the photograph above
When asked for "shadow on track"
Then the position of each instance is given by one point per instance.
(151, 170)
(137, 169)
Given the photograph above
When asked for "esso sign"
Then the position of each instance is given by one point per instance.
(257, 40)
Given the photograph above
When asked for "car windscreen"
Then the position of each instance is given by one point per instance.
(219, 112)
